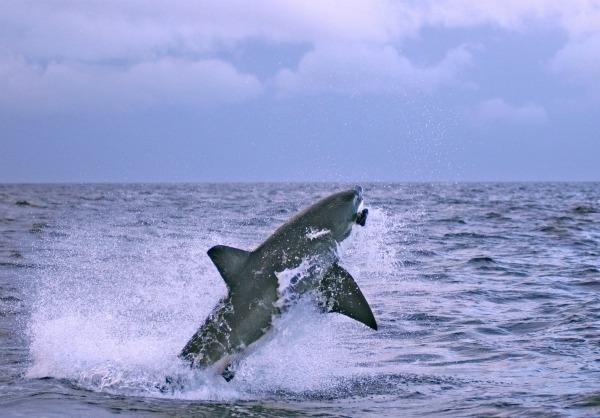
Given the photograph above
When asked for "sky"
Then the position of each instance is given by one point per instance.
(155, 91)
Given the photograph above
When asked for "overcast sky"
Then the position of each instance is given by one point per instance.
(299, 90)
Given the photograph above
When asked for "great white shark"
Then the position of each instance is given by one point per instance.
(254, 297)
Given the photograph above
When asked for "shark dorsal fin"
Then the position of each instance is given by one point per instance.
(229, 262)
(342, 295)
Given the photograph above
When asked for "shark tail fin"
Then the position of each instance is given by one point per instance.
(229, 261)
(342, 295)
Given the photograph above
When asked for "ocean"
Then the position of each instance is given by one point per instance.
(487, 297)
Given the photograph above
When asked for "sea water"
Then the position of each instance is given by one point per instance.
(487, 298)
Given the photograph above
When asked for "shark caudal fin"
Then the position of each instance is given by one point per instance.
(229, 261)
(342, 295)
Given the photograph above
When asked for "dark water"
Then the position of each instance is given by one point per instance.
(487, 296)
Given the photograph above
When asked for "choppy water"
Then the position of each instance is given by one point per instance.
(487, 297)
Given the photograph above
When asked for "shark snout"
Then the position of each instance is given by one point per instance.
(361, 214)
(358, 198)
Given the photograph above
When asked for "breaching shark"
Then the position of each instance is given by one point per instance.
(254, 296)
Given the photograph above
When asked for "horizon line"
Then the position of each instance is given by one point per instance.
(173, 182)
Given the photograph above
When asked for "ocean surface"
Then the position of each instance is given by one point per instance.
(487, 297)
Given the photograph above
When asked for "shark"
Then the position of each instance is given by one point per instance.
(254, 293)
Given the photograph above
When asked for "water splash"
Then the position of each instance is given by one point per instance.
(118, 304)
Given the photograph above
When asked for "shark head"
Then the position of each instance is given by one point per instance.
(337, 213)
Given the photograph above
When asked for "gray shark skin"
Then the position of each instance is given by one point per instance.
(246, 314)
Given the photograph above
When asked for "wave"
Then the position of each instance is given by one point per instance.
(584, 209)
(482, 260)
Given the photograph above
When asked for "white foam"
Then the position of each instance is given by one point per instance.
(285, 277)
(369, 250)
(302, 353)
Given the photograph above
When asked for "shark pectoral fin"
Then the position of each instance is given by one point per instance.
(229, 261)
(342, 295)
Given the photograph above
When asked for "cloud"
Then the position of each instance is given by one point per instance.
(576, 17)
(142, 52)
(579, 60)
(363, 69)
(499, 111)
(63, 55)
(69, 86)
(95, 30)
